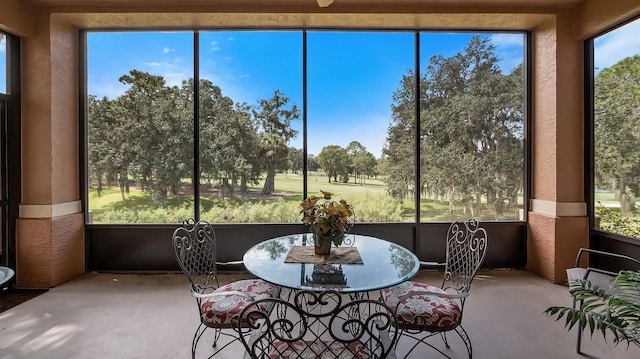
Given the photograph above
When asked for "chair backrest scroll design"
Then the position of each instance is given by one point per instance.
(466, 248)
(194, 245)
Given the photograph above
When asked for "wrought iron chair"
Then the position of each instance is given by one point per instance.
(424, 310)
(597, 275)
(319, 325)
(194, 244)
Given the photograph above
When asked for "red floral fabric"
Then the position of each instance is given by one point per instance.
(318, 350)
(422, 310)
(223, 309)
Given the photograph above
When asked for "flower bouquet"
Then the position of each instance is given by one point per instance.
(328, 220)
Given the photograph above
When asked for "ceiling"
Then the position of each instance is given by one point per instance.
(299, 5)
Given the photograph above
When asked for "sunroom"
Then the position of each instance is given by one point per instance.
(57, 224)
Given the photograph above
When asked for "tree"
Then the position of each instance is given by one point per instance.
(154, 124)
(101, 126)
(312, 163)
(274, 122)
(471, 138)
(362, 161)
(398, 155)
(295, 158)
(333, 160)
(617, 128)
(228, 141)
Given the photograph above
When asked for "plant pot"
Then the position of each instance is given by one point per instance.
(322, 245)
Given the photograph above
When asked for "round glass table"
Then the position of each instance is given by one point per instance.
(383, 264)
(5, 275)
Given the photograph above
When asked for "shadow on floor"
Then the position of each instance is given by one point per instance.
(10, 297)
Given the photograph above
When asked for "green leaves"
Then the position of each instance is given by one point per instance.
(470, 128)
(615, 310)
(616, 124)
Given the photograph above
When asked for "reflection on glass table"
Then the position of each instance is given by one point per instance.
(5, 276)
(384, 264)
(325, 275)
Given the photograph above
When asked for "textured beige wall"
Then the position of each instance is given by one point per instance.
(558, 148)
(49, 251)
(64, 112)
(17, 18)
(594, 16)
(50, 247)
(553, 244)
(36, 115)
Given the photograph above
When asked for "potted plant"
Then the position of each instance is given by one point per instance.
(327, 219)
(615, 310)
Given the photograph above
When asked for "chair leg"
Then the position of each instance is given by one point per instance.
(443, 335)
(579, 338)
(216, 336)
(465, 339)
(196, 338)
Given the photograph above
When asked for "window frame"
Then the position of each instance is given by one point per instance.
(105, 243)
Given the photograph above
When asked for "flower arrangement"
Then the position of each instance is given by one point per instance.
(327, 218)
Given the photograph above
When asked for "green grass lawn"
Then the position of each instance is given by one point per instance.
(370, 201)
(606, 198)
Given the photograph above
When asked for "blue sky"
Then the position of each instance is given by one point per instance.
(617, 45)
(3, 64)
(351, 75)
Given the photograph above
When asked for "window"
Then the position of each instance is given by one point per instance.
(3, 63)
(471, 126)
(286, 113)
(616, 101)
(140, 126)
(251, 126)
(349, 117)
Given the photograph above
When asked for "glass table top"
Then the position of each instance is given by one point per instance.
(5, 274)
(384, 264)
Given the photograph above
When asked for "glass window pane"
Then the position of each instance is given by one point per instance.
(251, 126)
(140, 126)
(617, 128)
(471, 126)
(360, 118)
(3, 63)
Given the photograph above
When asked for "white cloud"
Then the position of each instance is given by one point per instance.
(509, 49)
(110, 90)
(167, 50)
(172, 72)
(214, 46)
(175, 78)
(617, 45)
(508, 40)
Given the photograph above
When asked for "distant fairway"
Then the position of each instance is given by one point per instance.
(370, 200)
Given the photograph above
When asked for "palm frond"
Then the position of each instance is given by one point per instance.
(615, 310)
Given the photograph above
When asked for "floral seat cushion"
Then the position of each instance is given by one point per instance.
(422, 310)
(221, 310)
(318, 350)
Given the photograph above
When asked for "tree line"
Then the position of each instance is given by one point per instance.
(471, 136)
(146, 135)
